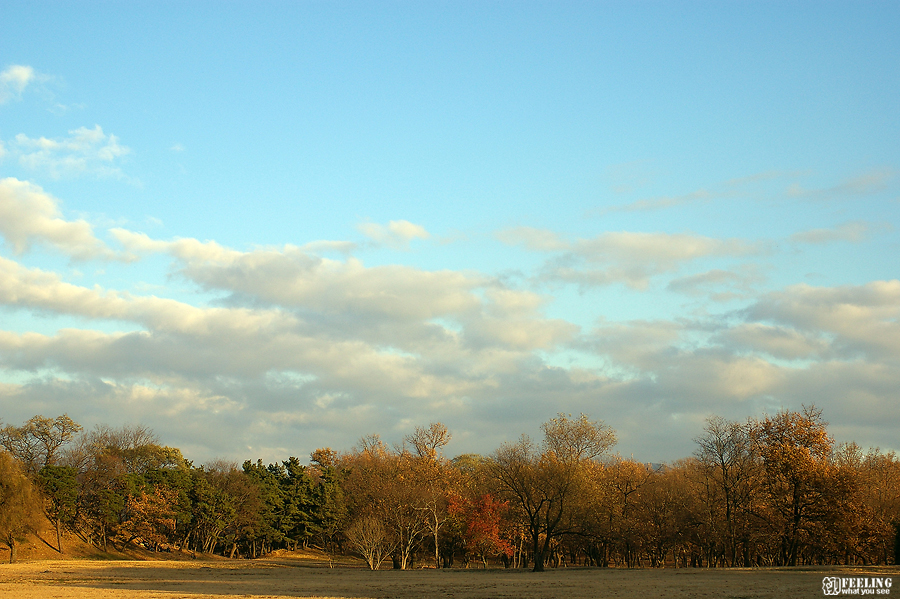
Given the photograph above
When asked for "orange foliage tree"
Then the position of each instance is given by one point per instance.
(483, 519)
(799, 479)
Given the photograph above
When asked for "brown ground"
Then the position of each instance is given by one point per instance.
(288, 576)
(86, 573)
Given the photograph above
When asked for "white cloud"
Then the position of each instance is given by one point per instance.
(185, 346)
(636, 344)
(185, 249)
(322, 310)
(194, 251)
(632, 258)
(837, 347)
(295, 278)
(29, 215)
(359, 336)
(864, 319)
(852, 232)
(397, 234)
(762, 177)
(659, 203)
(867, 183)
(540, 240)
(341, 247)
(737, 187)
(13, 81)
(84, 151)
(778, 341)
(656, 251)
(719, 284)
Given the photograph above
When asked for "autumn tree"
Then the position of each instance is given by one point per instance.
(112, 464)
(482, 518)
(408, 501)
(543, 482)
(661, 509)
(729, 465)
(880, 482)
(679, 481)
(135, 447)
(18, 506)
(176, 482)
(866, 527)
(469, 477)
(392, 487)
(435, 476)
(364, 485)
(796, 450)
(599, 519)
(150, 520)
(626, 479)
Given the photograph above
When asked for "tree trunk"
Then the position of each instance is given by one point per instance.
(538, 552)
(58, 536)
(896, 544)
(437, 552)
(10, 541)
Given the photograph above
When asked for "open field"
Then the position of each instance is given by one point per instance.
(282, 578)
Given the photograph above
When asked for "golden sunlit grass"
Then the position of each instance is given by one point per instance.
(308, 576)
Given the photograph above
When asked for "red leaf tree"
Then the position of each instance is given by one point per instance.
(482, 519)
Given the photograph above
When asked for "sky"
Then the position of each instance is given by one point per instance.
(260, 228)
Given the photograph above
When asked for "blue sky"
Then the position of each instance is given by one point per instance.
(262, 228)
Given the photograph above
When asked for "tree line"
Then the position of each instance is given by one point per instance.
(764, 492)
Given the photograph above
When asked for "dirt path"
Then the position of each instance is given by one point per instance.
(81, 579)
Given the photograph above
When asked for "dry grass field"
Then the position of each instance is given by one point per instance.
(286, 577)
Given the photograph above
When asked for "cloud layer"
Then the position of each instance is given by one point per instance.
(290, 349)
(631, 258)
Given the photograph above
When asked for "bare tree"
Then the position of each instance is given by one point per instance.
(429, 441)
(726, 455)
(435, 475)
(135, 446)
(22, 446)
(37, 443)
(368, 536)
